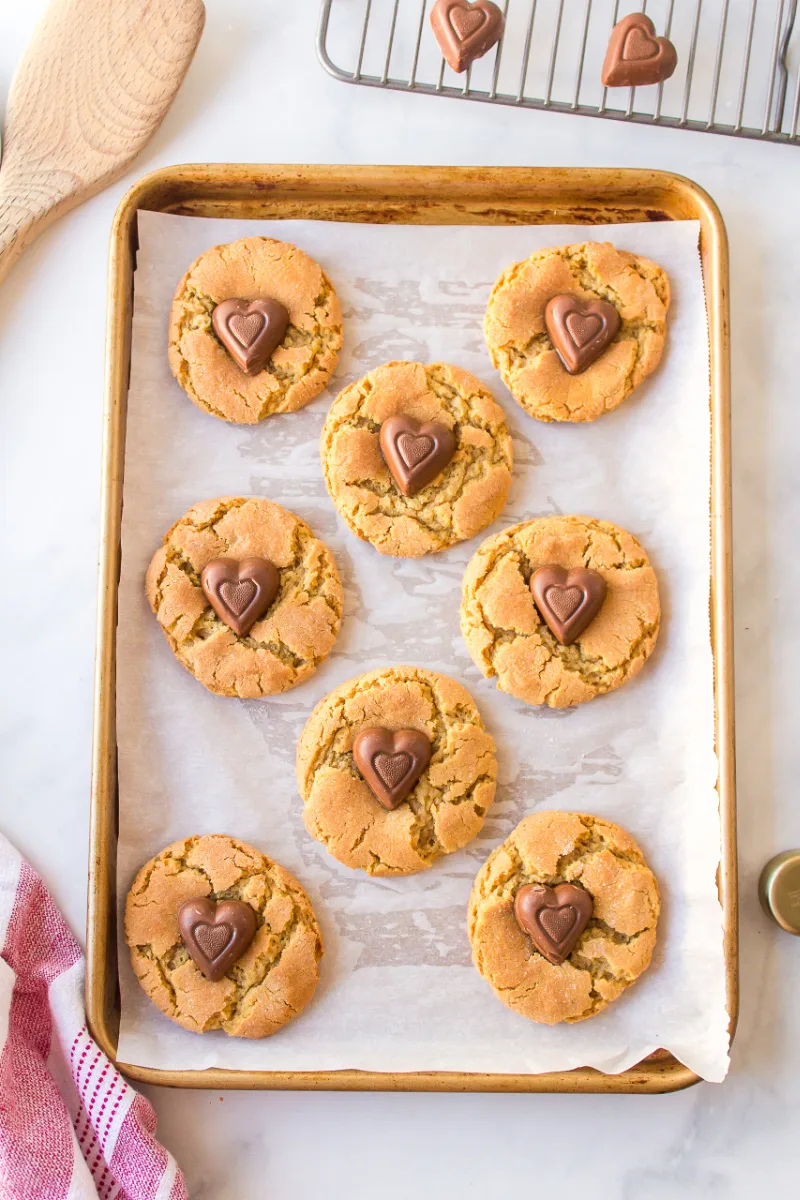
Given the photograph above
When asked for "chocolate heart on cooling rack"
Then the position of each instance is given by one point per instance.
(466, 31)
(391, 763)
(240, 592)
(568, 601)
(580, 330)
(415, 453)
(553, 918)
(635, 56)
(250, 330)
(216, 935)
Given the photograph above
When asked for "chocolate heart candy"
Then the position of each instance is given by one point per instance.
(580, 330)
(568, 600)
(250, 330)
(391, 763)
(240, 592)
(553, 918)
(635, 56)
(414, 453)
(216, 935)
(466, 31)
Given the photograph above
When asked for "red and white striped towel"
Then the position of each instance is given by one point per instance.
(71, 1128)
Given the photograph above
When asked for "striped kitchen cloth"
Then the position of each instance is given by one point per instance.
(71, 1128)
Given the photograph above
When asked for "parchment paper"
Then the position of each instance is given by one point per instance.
(398, 991)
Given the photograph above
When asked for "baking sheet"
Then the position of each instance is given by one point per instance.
(190, 762)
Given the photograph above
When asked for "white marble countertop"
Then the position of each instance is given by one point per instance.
(724, 1140)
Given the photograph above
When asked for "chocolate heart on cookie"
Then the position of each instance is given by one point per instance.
(568, 601)
(415, 453)
(635, 56)
(580, 330)
(553, 918)
(216, 935)
(391, 763)
(466, 31)
(240, 592)
(250, 330)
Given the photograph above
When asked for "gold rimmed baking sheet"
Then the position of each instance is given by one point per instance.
(404, 195)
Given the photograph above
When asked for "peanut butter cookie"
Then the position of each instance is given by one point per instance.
(550, 855)
(509, 638)
(360, 818)
(212, 562)
(274, 977)
(471, 484)
(595, 275)
(254, 269)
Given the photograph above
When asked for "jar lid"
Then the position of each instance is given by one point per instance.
(779, 890)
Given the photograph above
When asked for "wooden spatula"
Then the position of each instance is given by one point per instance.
(93, 87)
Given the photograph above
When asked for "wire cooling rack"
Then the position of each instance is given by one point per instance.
(738, 60)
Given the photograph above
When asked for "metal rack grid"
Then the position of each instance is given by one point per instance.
(738, 60)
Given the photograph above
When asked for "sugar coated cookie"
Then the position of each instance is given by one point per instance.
(248, 598)
(560, 609)
(574, 329)
(255, 329)
(416, 457)
(396, 769)
(562, 917)
(222, 937)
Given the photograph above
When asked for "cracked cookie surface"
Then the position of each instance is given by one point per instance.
(521, 349)
(297, 632)
(251, 269)
(466, 497)
(614, 949)
(508, 639)
(276, 976)
(447, 807)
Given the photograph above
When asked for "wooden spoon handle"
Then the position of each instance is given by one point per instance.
(91, 90)
(15, 226)
(25, 208)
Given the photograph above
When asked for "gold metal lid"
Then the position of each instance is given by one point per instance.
(779, 890)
